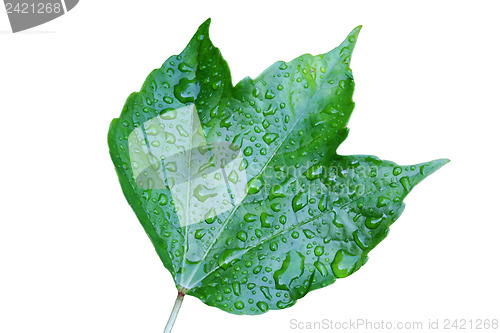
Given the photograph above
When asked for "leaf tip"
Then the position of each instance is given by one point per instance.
(353, 35)
(437, 164)
(345, 49)
(426, 169)
(204, 27)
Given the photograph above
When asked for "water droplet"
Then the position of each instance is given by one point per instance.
(269, 137)
(360, 239)
(314, 172)
(152, 130)
(185, 90)
(322, 205)
(233, 177)
(319, 250)
(372, 222)
(249, 217)
(271, 111)
(255, 185)
(168, 114)
(276, 192)
(383, 201)
(270, 94)
(405, 181)
(299, 201)
(344, 264)
(182, 131)
(171, 166)
(291, 270)
(284, 305)
(321, 268)
(216, 85)
(276, 207)
(183, 67)
(162, 199)
(154, 161)
(242, 235)
(226, 122)
(265, 220)
(263, 306)
(210, 216)
(308, 233)
(397, 171)
(265, 292)
(236, 288)
(248, 151)
(255, 92)
(199, 233)
(226, 258)
(239, 305)
(202, 193)
(243, 165)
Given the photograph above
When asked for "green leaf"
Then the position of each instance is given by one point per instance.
(241, 189)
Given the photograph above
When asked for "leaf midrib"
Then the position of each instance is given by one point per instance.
(184, 258)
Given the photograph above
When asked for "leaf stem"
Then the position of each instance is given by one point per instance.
(175, 311)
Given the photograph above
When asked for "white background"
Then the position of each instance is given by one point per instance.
(74, 258)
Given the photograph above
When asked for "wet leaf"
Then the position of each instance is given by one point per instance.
(241, 189)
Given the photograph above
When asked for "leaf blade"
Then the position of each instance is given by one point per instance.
(307, 215)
